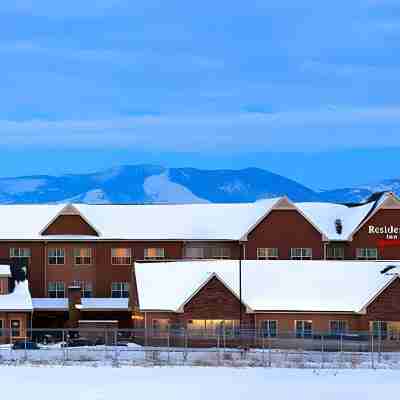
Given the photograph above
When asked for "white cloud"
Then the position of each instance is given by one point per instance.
(309, 130)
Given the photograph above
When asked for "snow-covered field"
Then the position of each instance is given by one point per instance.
(136, 355)
(195, 383)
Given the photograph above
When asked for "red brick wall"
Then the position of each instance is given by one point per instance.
(363, 239)
(214, 301)
(284, 229)
(386, 306)
(69, 225)
(321, 322)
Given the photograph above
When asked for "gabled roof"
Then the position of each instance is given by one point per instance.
(282, 203)
(387, 200)
(68, 210)
(199, 222)
(204, 284)
(308, 286)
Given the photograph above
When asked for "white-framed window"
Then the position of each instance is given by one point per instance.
(2, 327)
(56, 289)
(367, 253)
(154, 253)
(380, 329)
(211, 252)
(303, 328)
(120, 289)
(338, 327)
(56, 256)
(83, 256)
(269, 328)
(267, 253)
(20, 252)
(121, 256)
(301, 253)
(86, 288)
(335, 253)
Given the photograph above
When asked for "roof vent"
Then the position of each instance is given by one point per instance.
(339, 226)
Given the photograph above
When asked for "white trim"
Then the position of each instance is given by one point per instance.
(380, 291)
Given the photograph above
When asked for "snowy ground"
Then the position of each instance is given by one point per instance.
(195, 383)
(148, 356)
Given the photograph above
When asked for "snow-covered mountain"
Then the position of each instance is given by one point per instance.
(150, 184)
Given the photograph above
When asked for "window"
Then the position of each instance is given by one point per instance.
(208, 252)
(121, 256)
(267, 253)
(209, 327)
(303, 329)
(269, 328)
(301, 253)
(335, 253)
(367, 253)
(194, 252)
(82, 256)
(1, 328)
(15, 325)
(86, 288)
(160, 324)
(154, 253)
(338, 327)
(23, 254)
(119, 289)
(56, 256)
(380, 329)
(56, 289)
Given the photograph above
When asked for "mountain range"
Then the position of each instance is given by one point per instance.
(156, 184)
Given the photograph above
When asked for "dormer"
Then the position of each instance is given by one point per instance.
(69, 222)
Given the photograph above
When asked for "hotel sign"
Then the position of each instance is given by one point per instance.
(390, 231)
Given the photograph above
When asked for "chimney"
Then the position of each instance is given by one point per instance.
(74, 299)
(339, 226)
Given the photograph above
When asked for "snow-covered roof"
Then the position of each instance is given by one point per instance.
(5, 271)
(50, 304)
(324, 216)
(19, 300)
(173, 221)
(104, 303)
(266, 285)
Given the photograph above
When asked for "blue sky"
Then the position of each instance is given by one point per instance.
(308, 89)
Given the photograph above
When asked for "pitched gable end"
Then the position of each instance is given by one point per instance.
(212, 291)
(69, 221)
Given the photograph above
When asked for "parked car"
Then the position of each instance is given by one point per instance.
(25, 345)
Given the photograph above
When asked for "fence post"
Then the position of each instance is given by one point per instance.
(269, 353)
(116, 345)
(372, 352)
(25, 350)
(263, 351)
(168, 343)
(64, 344)
(322, 351)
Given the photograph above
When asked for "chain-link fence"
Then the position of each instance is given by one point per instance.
(180, 346)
